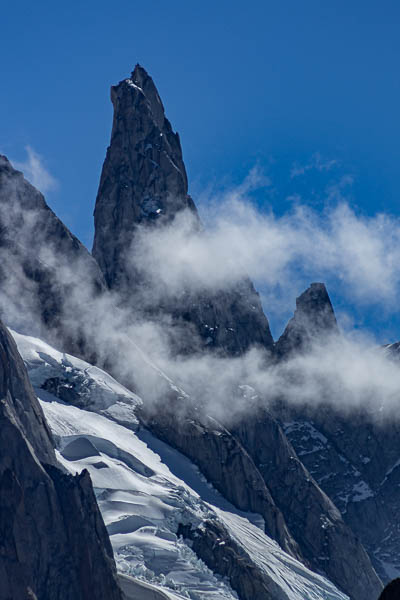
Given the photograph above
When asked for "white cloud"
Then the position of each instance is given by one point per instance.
(357, 255)
(35, 171)
(360, 253)
(346, 372)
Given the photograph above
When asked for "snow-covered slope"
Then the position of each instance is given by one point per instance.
(146, 490)
(77, 382)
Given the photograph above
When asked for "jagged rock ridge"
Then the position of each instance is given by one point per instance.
(311, 516)
(314, 319)
(354, 457)
(143, 178)
(327, 545)
(241, 310)
(46, 275)
(53, 542)
(144, 184)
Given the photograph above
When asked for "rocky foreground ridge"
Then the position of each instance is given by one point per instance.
(291, 466)
(53, 542)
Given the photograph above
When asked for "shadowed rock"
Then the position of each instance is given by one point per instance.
(391, 591)
(143, 180)
(224, 462)
(313, 321)
(327, 544)
(53, 542)
(47, 277)
(143, 186)
(353, 455)
(213, 544)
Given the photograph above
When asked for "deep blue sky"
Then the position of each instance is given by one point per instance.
(251, 82)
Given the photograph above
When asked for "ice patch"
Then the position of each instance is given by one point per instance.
(361, 491)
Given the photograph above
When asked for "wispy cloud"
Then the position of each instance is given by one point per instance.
(357, 255)
(317, 163)
(349, 373)
(35, 171)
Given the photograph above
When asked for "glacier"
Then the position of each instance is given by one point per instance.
(146, 489)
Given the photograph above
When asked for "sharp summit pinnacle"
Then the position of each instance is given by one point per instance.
(144, 185)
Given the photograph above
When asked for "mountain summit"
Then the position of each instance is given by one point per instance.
(158, 449)
(143, 177)
(144, 186)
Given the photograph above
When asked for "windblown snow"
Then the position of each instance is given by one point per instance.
(145, 488)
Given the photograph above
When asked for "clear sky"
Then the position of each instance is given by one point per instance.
(312, 86)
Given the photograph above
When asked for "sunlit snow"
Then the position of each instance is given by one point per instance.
(145, 489)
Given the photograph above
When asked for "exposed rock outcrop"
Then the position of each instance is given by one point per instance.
(391, 591)
(224, 462)
(326, 542)
(254, 466)
(48, 279)
(53, 542)
(19, 401)
(144, 185)
(253, 573)
(143, 180)
(353, 455)
(355, 460)
(220, 552)
(314, 319)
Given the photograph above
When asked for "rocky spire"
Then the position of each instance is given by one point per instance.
(313, 320)
(144, 184)
(143, 178)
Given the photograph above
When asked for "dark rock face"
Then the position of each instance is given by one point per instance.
(46, 272)
(47, 277)
(393, 349)
(391, 591)
(255, 467)
(314, 319)
(63, 389)
(53, 542)
(224, 556)
(225, 463)
(20, 402)
(144, 185)
(327, 544)
(355, 461)
(143, 179)
(227, 322)
(353, 457)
